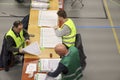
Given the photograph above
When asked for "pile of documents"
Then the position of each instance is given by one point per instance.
(48, 18)
(40, 4)
(48, 38)
(47, 65)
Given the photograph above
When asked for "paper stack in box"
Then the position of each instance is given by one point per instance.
(40, 4)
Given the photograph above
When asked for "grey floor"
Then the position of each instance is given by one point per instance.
(103, 58)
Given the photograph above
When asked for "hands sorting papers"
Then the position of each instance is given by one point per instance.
(33, 49)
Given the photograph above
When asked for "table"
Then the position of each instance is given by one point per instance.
(34, 29)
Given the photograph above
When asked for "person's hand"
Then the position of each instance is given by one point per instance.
(21, 50)
(28, 41)
(55, 27)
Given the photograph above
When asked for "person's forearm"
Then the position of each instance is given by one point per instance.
(60, 68)
(62, 32)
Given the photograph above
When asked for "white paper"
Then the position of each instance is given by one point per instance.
(48, 18)
(40, 5)
(48, 38)
(42, 0)
(33, 49)
(49, 64)
(32, 67)
(41, 76)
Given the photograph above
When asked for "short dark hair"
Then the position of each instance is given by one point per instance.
(17, 23)
(62, 13)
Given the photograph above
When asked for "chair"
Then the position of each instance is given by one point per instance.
(81, 2)
(79, 46)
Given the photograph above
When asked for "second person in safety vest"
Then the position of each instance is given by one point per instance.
(14, 40)
(67, 31)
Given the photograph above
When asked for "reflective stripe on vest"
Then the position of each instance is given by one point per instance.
(69, 40)
(72, 62)
(19, 41)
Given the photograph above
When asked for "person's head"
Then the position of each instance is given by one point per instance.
(61, 15)
(61, 49)
(17, 26)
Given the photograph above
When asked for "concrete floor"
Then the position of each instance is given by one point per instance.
(103, 58)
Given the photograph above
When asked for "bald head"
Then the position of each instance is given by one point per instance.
(61, 50)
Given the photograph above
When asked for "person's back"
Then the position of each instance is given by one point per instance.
(72, 62)
(69, 66)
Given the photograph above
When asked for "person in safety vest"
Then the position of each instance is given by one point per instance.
(14, 40)
(69, 66)
(67, 31)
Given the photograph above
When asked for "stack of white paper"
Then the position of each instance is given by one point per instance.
(33, 49)
(42, 0)
(32, 67)
(48, 38)
(48, 64)
(40, 5)
(48, 18)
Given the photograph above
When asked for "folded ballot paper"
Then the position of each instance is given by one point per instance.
(33, 49)
(40, 5)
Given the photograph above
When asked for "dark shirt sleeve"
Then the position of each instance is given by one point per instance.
(25, 34)
(60, 68)
(11, 45)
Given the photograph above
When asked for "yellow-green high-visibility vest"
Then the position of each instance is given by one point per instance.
(19, 41)
(72, 62)
(69, 40)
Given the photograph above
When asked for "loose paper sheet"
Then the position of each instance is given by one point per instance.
(32, 67)
(33, 49)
